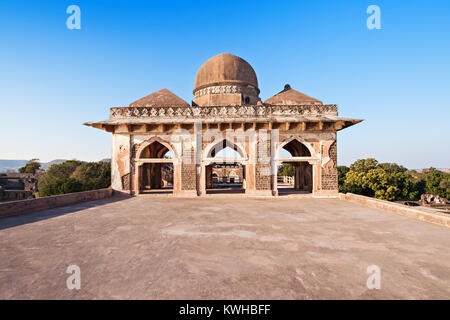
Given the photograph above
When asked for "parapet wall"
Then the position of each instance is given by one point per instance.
(422, 214)
(15, 195)
(13, 208)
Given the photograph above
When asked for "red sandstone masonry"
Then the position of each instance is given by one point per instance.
(13, 208)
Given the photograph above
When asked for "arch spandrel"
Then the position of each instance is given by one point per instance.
(327, 161)
(309, 146)
(162, 142)
(223, 143)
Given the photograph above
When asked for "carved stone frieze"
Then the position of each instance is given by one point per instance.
(198, 112)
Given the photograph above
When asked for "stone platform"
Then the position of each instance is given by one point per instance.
(222, 248)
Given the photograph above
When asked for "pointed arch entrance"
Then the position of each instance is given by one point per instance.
(224, 168)
(295, 160)
(155, 168)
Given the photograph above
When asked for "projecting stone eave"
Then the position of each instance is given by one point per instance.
(339, 123)
(100, 125)
(348, 122)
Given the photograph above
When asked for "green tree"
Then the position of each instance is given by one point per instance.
(286, 169)
(31, 166)
(63, 170)
(356, 182)
(387, 181)
(62, 186)
(392, 167)
(445, 186)
(74, 176)
(363, 165)
(437, 182)
(93, 175)
(342, 172)
(56, 172)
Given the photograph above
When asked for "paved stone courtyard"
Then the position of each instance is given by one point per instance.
(156, 247)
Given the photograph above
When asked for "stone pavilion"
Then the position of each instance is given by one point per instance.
(162, 130)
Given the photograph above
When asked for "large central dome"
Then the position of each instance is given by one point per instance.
(226, 80)
(225, 69)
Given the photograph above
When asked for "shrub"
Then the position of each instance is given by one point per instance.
(31, 166)
(387, 181)
(63, 186)
(74, 176)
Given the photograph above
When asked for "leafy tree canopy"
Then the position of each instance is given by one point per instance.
(75, 176)
(93, 175)
(286, 169)
(363, 165)
(31, 166)
(437, 182)
(342, 172)
(62, 186)
(63, 170)
(388, 181)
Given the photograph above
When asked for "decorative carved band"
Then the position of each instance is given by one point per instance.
(198, 112)
(227, 89)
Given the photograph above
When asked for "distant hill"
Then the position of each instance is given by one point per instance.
(446, 170)
(14, 165)
(46, 165)
(11, 165)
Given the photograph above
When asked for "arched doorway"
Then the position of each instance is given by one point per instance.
(294, 172)
(224, 169)
(155, 168)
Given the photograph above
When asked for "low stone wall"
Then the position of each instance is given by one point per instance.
(14, 195)
(13, 208)
(418, 213)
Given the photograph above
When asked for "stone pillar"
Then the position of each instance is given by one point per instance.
(297, 173)
(208, 171)
(198, 159)
(188, 178)
(274, 177)
(203, 180)
(250, 178)
(328, 169)
(121, 163)
(315, 177)
(176, 178)
(274, 142)
(137, 177)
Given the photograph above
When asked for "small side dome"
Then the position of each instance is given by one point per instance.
(161, 98)
(290, 96)
(225, 69)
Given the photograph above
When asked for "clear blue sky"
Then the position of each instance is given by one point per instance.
(53, 79)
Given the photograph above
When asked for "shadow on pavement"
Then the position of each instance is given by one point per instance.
(14, 221)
